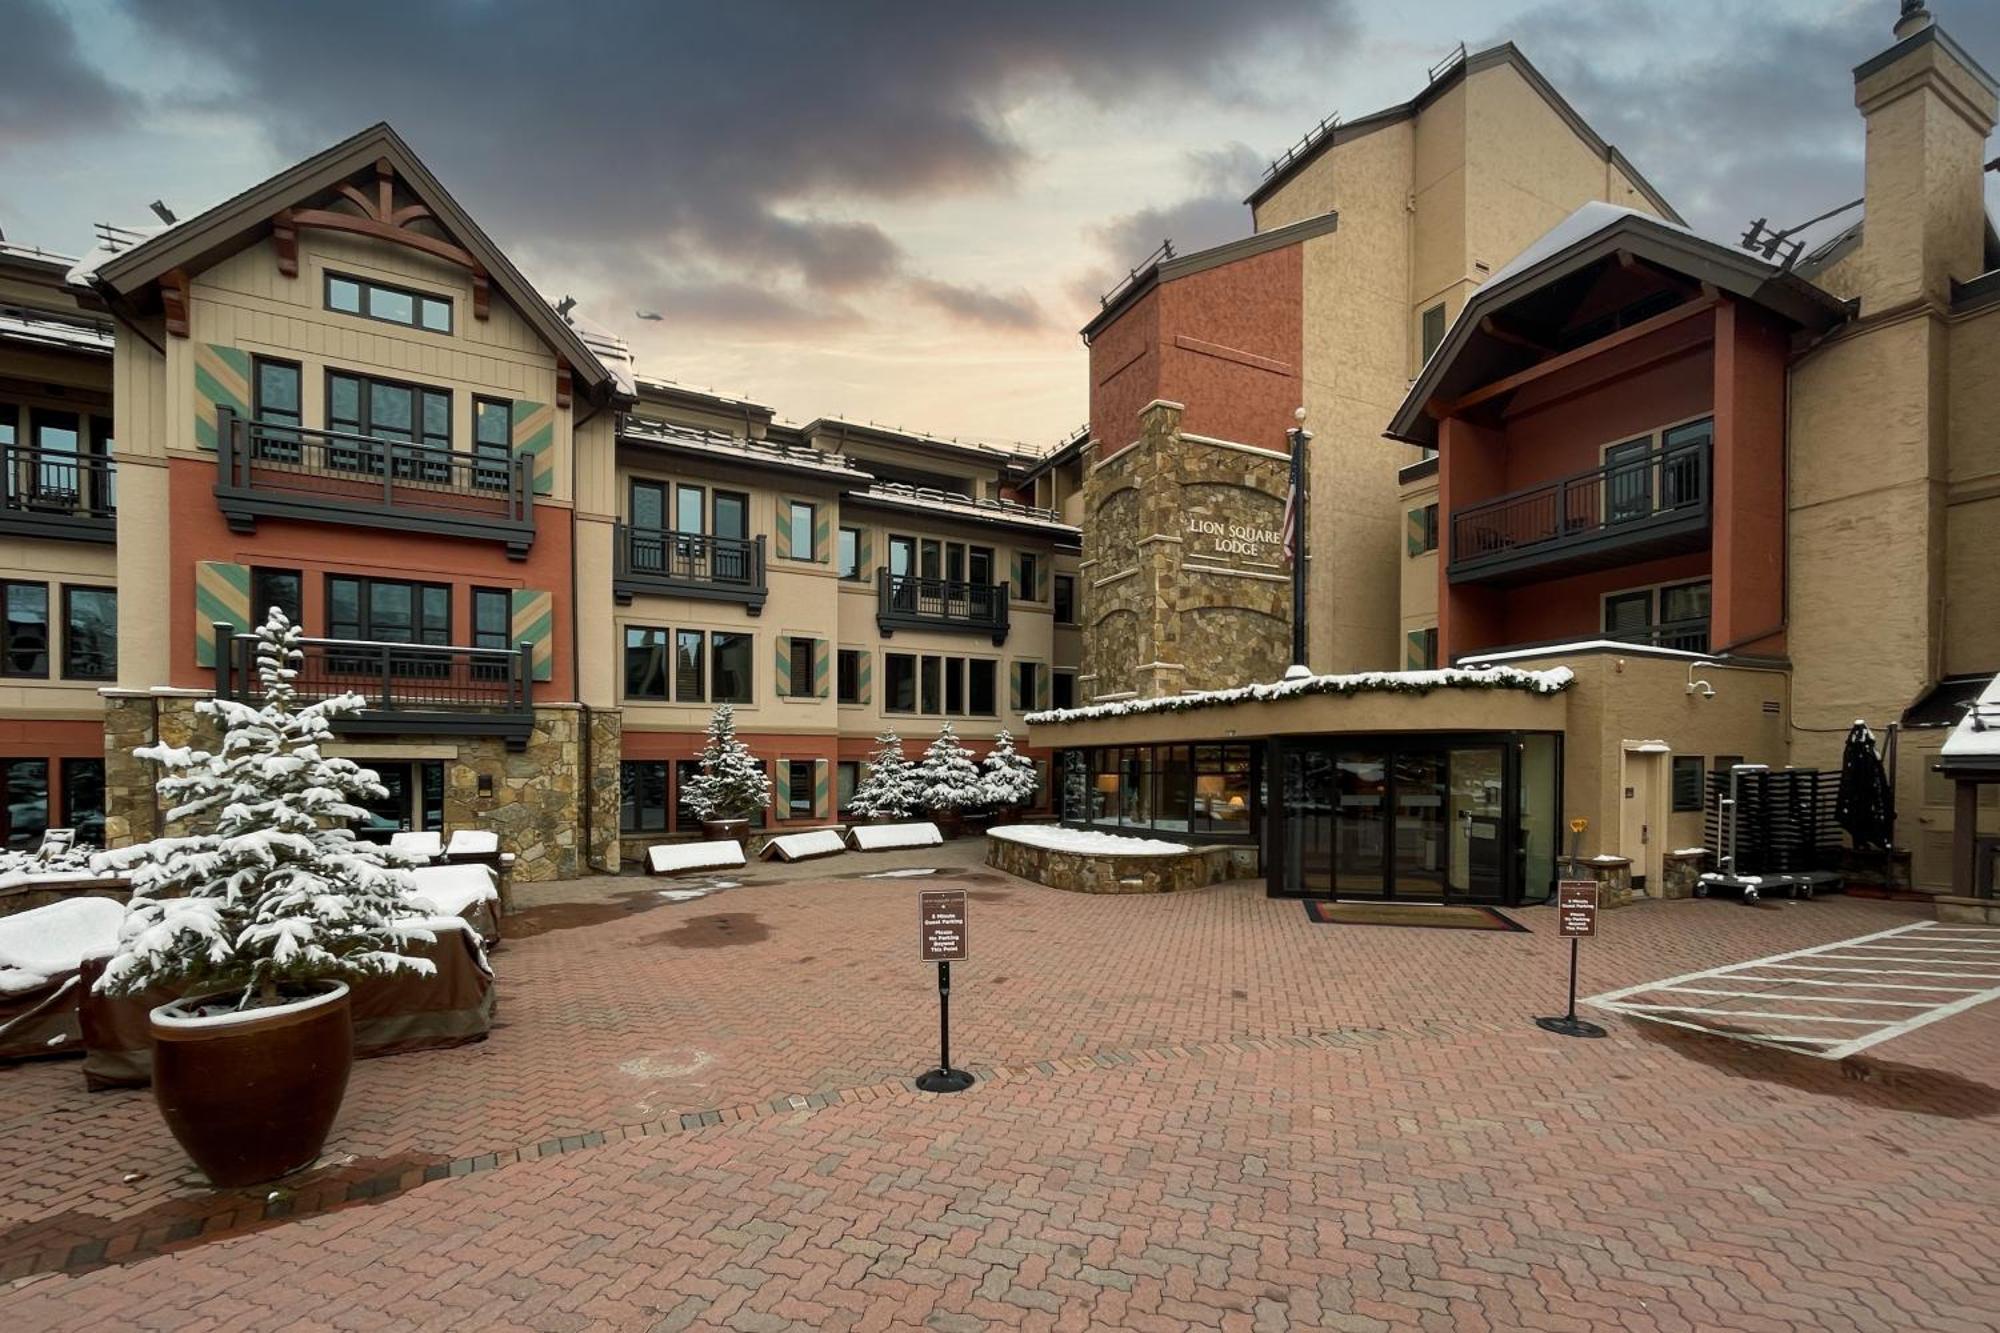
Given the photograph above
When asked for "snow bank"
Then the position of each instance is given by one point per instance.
(674, 858)
(452, 889)
(800, 846)
(888, 837)
(42, 943)
(1086, 842)
(424, 845)
(1553, 681)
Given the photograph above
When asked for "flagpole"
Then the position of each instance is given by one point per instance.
(1299, 437)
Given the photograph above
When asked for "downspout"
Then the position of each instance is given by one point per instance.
(586, 787)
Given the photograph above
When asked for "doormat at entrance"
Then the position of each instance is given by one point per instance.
(1454, 916)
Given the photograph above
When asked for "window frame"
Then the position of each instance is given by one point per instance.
(68, 598)
(7, 668)
(749, 646)
(840, 554)
(844, 805)
(258, 575)
(366, 427)
(792, 784)
(368, 286)
(791, 519)
(1062, 682)
(366, 584)
(847, 671)
(990, 668)
(801, 665)
(1063, 604)
(1426, 345)
(1676, 776)
(66, 767)
(664, 768)
(662, 652)
(1027, 568)
(890, 663)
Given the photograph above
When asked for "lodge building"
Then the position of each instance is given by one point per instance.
(1595, 505)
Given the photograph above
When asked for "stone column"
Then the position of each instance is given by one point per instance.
(131, 809)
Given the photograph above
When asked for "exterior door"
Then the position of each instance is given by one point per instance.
(1642, 818)
(1420, 845)
(1628, 481)
(902, 564)
(1477, 820)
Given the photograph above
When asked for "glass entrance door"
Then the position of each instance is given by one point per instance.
(1419, 871)
(1476, 821)
(1306, 827)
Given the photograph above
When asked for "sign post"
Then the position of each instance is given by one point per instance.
(941, 940)
(1576, 917)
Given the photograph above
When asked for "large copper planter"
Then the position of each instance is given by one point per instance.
(251, 1096)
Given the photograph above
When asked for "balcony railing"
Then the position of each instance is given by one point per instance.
(406, 687)
(909, 601)
(1689, 636)
(1634, 509)
(279, 470)
(54, 493)
(688, 564)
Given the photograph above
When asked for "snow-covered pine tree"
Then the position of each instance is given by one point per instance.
(947, 777)
(278, 889)
(731, 783)
(1008, 776)
(890, 789)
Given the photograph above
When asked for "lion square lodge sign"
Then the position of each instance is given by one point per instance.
(1237, 539)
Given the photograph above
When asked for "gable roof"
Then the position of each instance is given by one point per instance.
(1506, 53)
(1168, 267)
(238, 222)
(1593, 233)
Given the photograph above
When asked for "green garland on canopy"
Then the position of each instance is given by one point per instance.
(1364, 682)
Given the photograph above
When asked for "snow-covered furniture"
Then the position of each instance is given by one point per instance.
(401, 1012)
(682, 858)
(41, 962)
(469, 844)
(1090, 861)
(422, 846)
(24, 890)
(892, 837)
(469, 891)
(805, 846)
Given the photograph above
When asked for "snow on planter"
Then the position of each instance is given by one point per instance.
(1085, 842)
(677, 858)
(1553, 681)
(43, 943)
(805, 846)
(888, 837)
(473, 842)
(452, 889)
(423, 846)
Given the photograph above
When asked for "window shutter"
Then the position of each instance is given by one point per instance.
(1014, 687)
(535, 433)
(1413, 531)
(864, 552)
(1413, 656)
(782, 666)
(221, 379)
(822, 667)
(863, 672)
(1042, 687)
(822, 790)
(221, 596)
(822, 532)
(1042, 572)
(1013, 572)
(534, 624)
(781, 546)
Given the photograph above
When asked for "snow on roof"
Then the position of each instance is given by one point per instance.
(1586, 646)
(1977, 735)
(1362, 682)
(897, 494)
(611, 351)
(721, 444)
(112, 241)
(16, 250)
(19, 324)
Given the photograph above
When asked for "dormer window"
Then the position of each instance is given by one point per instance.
(391, 305)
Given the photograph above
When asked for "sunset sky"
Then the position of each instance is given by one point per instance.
(898, 212)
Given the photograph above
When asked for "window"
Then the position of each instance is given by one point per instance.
(492, 618)
(27, 811)
(690, 683)
(801, 684)
(275, 403)
(388, 610)
(1065, 599)
(280, 588)
(1671, 616)
(1025, 576)
(798, 518)
(642, 796)
(690, 509)
(798, 789)
(850, 553)
(1433, 329)
(83, 799)
(982, 694)
(929, 682)
(848, 673)
(649, 505)
(899, 683)
(1062, 689)
(387, 410)
(1421, 649)
(492, 439)
(1422, 530)
(1025, 673)
(732, 515)
(394, 305)
(847, 779)
(90, 633)
(954, 685)
(24, 635)
(1687, 782)
(646, 663)
(731, 668)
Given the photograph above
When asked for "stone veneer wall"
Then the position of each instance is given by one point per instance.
(1170, 603)
(1083, 872)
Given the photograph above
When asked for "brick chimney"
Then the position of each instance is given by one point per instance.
(1928, 107)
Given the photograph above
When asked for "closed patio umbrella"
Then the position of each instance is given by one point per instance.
(1863, 806)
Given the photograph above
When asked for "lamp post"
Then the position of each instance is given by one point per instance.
(1296, 508)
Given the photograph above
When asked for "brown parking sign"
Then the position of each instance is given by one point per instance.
(1576, 908)
(941, 925)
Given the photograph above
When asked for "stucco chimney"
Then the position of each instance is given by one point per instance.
(1928, 108)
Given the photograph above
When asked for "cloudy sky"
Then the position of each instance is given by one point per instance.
(897, 212)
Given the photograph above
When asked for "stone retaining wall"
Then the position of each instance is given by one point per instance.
(1084, 872)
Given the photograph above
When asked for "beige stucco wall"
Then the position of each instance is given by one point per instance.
(58, 564)
(1417, 583)
(1972, 514)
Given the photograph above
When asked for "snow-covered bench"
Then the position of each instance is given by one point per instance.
(805, 846)
(470, 892)
(419, 846)
(681, 858)
(891, 837)
(41, 959)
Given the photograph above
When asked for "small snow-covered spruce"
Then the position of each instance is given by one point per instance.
(947, 778)
(731, 784)
(1552, 681)
(1007, 776)
(278, 889)
(890, 789)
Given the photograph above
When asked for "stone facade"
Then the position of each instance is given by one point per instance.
(606, 743)
(1187, 586)
(130, 812)
(1078, 872)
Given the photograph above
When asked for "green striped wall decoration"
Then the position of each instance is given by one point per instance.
(822, 790)
(534, 624)
(781, 666)
(221, 379)
(221, 596)
(535, 433)
(822, 667)
(864, 672)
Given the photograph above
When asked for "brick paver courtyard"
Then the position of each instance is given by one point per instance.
(1195, 1110)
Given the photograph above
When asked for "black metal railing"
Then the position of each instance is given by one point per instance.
(402, 685)
(284, 470)
(911, 601)
(688, 564)
(1628, 497)
(54, 492)
(1689, 636)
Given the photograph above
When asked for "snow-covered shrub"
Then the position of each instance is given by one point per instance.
(1007, 777)
(731, 783)
(947, 778)
(889, 791)
(278, 889)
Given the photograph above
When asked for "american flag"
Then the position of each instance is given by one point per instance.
(1292, 522)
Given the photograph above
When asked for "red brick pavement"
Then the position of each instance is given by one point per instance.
(1199, 1110)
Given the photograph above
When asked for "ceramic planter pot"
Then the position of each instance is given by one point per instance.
(949, 823)
(725, 830)
(251, 1096)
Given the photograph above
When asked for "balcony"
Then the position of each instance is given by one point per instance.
(407, 688)
(51, 493)
(908, 601)
(1620, 513)
(687, 564)
(273, 470)
(1687, 636)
